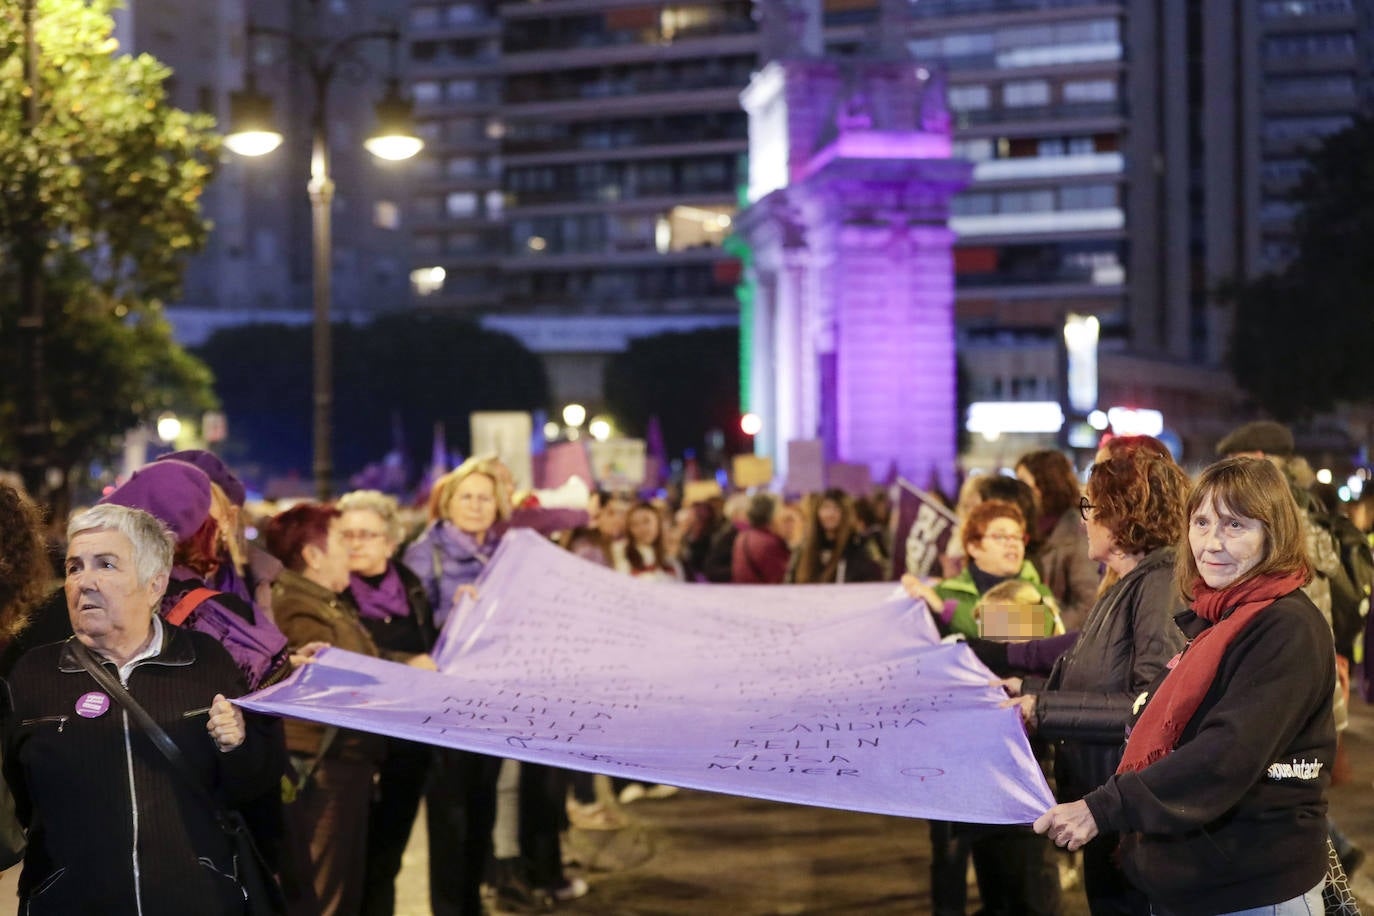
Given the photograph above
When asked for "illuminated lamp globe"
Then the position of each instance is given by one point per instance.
(251, 131)
(395, 137)
(750, 424)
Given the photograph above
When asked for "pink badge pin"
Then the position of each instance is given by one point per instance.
(92, 704)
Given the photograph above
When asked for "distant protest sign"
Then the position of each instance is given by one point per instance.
(507, 435)
(618, 464)
(922, 529)
(805, 466)
(751, 471)
(839, 696)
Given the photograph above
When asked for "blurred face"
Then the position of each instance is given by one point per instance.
(829, 515)
(1024, 475)
(644, 526)
(327, 565)
(1002, 548)
(1226, 546)
(108, 607)
(787, 524)
(365, 535)
(472, 508)
(611, 520)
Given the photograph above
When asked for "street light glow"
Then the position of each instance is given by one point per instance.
(253, 142)
(750, 424)
(600, 428)
(574, 415)
(168, 427)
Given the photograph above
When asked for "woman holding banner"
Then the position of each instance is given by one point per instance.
(1220, 797)
(469, 508)
(1133, 514)
(1014, 871)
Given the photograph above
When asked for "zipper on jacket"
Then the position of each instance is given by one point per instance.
(60, 720)
(133, 807)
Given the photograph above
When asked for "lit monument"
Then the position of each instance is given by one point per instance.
(848, 305)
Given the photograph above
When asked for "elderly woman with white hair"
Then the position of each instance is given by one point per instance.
(113, 826)
(393, 608)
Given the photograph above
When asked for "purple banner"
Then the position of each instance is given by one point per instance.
(838, 696)
(922, 527)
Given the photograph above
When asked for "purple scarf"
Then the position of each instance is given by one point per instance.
(386, 599)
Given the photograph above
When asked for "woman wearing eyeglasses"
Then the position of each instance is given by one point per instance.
(1013, 865)
(994, 539)
(392, 606)
(1133, 514)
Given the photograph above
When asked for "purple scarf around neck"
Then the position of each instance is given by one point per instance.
(386, 599)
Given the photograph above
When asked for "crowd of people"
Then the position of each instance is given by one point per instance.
(1184, 686)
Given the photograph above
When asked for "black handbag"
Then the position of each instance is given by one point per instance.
(260, 887)
(1337, 897)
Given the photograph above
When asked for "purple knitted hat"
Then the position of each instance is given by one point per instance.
(174, 492)
(214, 468)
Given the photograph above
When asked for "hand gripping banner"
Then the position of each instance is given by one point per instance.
(839, 696)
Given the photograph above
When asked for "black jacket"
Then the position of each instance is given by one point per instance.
(406, 635)
(1128, 638)
(1235, 816)
(104, 810)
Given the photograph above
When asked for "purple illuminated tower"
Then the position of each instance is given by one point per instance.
(849, 312)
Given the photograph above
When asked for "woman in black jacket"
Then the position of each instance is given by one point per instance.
(1133, 512)
(393, 608)
(1220, 797)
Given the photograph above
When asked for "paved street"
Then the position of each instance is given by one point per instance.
(700, 855)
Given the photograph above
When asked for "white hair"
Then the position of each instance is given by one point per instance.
(152, 542)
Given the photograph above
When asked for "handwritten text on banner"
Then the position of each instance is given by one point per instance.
(839, 696)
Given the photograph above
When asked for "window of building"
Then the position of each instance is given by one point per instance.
(1301, 87)
(975, 150)
(1302, 128)
(1026, 93)
(1292, 9)
(1087, 197)
(1040, 200)
(969, 98)
(966, 44)
(1309, 44)
(425, 91)
(1090, 91)
(463, 13)
(461, 90)
(496, 203)
(461, 204)
(386, 215)
(460, 167)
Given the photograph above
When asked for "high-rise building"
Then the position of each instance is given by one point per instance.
(257, 264)
(585, 170)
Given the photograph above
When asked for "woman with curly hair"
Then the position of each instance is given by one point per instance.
(1134, 513)
(26, 574)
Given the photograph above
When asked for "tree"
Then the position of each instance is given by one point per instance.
(1303, 336)
(100, 186)
(421, 368)
(690, 381)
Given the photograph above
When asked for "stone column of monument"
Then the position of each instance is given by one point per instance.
(852, 258)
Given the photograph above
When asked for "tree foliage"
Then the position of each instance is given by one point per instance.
(420, 369)
(1303, 336)
(106, 183)
(690, 381)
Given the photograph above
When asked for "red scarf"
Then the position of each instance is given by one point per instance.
(1172, 707)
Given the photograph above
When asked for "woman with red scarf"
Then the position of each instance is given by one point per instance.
(1221, 796)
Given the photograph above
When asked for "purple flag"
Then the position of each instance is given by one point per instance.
(837, 696)
(922, 529)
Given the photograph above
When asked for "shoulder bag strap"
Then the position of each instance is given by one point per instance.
(161, 740)
(188, 603)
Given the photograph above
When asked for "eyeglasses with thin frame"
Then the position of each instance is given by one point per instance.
(1004, 538)
(1084, 507)
(362, 535)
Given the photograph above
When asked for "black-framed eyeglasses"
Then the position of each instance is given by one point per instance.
(1084, 507)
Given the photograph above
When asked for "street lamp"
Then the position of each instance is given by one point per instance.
(252, 134)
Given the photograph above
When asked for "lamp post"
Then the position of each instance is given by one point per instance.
(251, 134)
